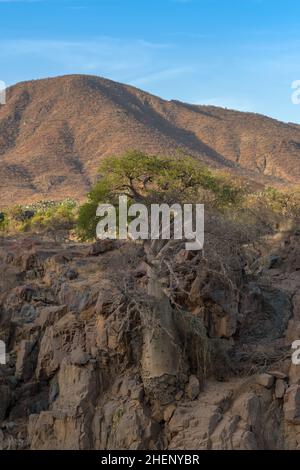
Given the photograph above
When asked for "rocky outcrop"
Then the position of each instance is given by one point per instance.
(103, 354)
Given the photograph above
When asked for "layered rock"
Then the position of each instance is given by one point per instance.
(104, 354)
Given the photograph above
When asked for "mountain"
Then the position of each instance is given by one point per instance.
(54, 132)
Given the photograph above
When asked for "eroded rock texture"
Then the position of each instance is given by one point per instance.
(107, 353)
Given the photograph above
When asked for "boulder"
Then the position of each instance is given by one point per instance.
(102, 246)
(280, 388)
(266, 380)
(278, 374)
(192, 389)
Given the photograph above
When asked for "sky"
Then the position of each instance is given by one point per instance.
(239, 54)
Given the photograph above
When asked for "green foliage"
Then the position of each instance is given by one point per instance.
(3, 222)
(87, 220)
(41, 217)
(286, 203)
(274, 205)
(152, 179)
(54, 218)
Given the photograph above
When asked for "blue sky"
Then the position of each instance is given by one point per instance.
(241, 54)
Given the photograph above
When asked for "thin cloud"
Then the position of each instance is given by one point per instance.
(21, 1)
(111, 57)
(160, 75)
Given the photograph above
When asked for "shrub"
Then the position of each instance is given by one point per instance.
(155, 179)
(272, 206)
(51, 219)
(45, 217)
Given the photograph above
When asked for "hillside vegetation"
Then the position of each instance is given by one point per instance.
(152, 179)
(54, 132)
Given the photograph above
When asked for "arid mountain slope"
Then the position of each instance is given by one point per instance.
(54, 132)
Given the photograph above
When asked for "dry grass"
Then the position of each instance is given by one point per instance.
(54, 132)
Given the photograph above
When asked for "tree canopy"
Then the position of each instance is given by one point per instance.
(150, 179)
